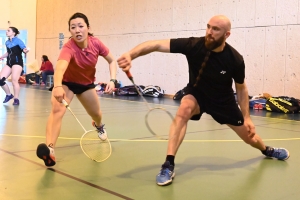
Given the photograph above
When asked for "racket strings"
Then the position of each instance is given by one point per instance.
(95, 148)
(156, 125)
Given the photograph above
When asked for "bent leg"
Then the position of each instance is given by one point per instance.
(253, 140)
(5, 72)
(37, 79)
(89, 100)
(55, 118)
(15, 75)
(186, 110)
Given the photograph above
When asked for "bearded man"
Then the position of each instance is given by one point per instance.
(213, 66)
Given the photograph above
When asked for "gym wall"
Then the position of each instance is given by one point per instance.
(264, 32)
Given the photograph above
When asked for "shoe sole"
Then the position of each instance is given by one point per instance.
(167, 182)
(43, 153)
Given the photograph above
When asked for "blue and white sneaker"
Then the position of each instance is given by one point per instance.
(101, 131)
(278, 153)
(166, 174)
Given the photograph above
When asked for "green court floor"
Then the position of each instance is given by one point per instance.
(212, 163)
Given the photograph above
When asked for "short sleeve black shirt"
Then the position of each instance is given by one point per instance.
(221, 68)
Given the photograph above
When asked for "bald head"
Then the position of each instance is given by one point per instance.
(218, 30)
(222, 21)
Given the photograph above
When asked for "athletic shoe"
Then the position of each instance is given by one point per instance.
(7, 98)
(166, 174)
(31, 81)
(42, 84)
(46, 153)
(16, 102)
(101, 131)
(260, 107)
(279, 153)
(34, 84)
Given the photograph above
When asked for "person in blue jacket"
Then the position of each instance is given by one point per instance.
(14, 64)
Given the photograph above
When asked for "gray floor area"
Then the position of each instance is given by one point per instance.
(212, 163)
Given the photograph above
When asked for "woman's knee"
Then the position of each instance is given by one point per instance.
(58, 109)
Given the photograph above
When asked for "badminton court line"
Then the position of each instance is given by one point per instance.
(70, 176)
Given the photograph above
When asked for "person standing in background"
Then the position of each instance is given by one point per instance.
(14, 64)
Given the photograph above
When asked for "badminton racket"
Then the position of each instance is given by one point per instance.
(92, 146)
(156, 118)
(33, 66)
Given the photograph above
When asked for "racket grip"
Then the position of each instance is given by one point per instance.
(65, 103)
(129, 75)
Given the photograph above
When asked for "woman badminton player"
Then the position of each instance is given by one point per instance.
(14, 64)
(74, 74)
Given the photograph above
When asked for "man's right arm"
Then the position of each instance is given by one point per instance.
(150, 46)
(143, 49)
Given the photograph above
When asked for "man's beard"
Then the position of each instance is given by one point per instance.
(211, 45)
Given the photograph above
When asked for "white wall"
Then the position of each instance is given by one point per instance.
(265, 32)
(21, 14)
(5, 13)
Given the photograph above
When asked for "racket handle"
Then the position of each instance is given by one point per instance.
(65, 103)
(129, 75)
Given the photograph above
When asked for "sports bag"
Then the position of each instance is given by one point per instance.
(283, 104)
(179, 94)
(153, 91)
(31, 77)
(129, 90)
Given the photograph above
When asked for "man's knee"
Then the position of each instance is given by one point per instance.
(2, 81)
(184, 112)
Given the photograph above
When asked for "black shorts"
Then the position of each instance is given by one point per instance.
(228, 113)
(78, 88)
(13, 62)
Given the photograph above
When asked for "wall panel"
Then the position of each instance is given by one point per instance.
(264, 32)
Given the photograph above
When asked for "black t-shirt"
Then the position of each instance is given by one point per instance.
(221, 68)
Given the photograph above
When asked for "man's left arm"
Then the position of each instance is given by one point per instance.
(243, 101)
(243, 98)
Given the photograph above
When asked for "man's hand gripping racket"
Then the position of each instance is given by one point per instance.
(92, 146)
(159, 113)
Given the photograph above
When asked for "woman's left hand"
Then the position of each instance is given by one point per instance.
(26, 50)
(110, 87)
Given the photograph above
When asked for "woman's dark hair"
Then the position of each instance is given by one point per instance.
(45, 58)
(80, 15)
(15, 30)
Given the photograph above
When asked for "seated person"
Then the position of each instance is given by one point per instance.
(45, 70)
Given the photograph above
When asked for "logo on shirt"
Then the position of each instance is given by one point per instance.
(239, 122)
(223, 72)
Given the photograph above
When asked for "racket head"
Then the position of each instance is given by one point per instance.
(158, 121)
(33, 66)
(93, 147)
